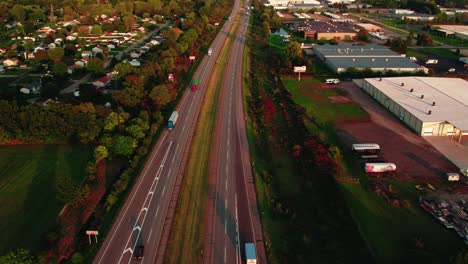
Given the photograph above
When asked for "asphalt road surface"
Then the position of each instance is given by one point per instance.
(144, 216)
(234, 219)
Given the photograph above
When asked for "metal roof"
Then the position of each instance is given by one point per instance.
(449, 94)
(346, 50)
(374, 63)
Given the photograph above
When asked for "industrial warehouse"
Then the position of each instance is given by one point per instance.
(430, 106)
(339, 58)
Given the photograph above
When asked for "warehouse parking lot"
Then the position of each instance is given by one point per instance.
(415, 158)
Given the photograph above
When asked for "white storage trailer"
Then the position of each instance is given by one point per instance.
(250, 256)
(379, 167)
(172, 120)
(366, 148)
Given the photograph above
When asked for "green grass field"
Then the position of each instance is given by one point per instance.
(28, 203)
(317, 103)
(415, 53)
(389, 231)
(444, 53)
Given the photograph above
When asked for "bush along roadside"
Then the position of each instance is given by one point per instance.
(304, 215)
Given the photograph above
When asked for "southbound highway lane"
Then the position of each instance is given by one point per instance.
(235, 220)
(142, 217)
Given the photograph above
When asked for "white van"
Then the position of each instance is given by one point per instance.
(332, 81)
(432, 61)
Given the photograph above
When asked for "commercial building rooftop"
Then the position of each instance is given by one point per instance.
(346, 50)
(449, 94)
(372, 62)
(324, 26)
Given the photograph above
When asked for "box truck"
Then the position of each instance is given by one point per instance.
(250, 256)
(195, 85)
(172, 120)
(379, 167)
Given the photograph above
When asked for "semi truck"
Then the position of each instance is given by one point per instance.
(379, 167)
(195, 85)
(250, 256)
(172, 120)
(210, 51)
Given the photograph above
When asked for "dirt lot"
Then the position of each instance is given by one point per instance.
(414, 157)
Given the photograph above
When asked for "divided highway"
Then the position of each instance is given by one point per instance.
(144, 217)
(233, 218)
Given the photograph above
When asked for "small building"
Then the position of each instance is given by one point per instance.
(97, 49)
(81, 63)
(135, 63)
(402, 11)
(51, 46)
(417, 17)
(134, 55)
(71, 69)
(10, 62)
(102, 82)
(70, 38)
(86, 54)
(459, 31)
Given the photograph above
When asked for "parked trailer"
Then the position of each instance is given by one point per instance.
(172, 120)
(366, 149)
(250, 256)
(379, 167)
(195, 85)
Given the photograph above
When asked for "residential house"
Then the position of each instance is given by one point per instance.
(10, 62)
(103, 81)
(70, 38)
(96, 50)
(86, 54)
(71, 68)
(36, 49)
(29, 56)
(2, 51)
(52, 46)
(135, 63)
(111, 46)
(81, 63)
(134, 55)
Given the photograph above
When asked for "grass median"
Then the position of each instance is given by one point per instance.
(186, 241)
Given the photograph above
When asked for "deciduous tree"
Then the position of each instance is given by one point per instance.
(160, 96)
(56, 54)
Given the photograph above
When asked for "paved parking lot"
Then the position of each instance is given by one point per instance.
(415, 158)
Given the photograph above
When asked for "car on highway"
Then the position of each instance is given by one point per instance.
(451, 70)
(138, 254)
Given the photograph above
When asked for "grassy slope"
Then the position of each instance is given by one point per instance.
(373, 214)
(28, 204)
(187, 236)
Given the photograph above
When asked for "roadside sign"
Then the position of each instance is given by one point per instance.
(92, 233)
(300, 69)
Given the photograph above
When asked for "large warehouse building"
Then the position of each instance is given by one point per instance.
(431, 106)
(375, 57)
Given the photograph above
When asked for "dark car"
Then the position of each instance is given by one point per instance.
(138, 254)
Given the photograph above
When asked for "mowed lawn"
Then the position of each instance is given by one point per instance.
(28, 203)
(390, 232)
(315, 97)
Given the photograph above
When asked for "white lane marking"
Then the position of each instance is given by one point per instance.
(151, 232)
(225, 187)
(164, 189)
(224, 253)
(154, 184)
(131, 200)
(237, 230)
